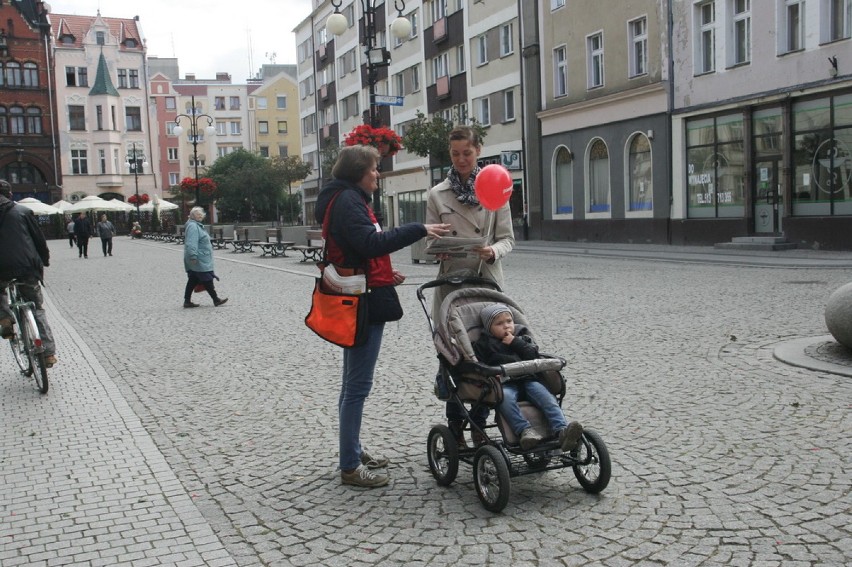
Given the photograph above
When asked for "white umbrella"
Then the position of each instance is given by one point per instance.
(117, 205)
(95, 203)
(62, 205)
(38, 207)
(158, 203)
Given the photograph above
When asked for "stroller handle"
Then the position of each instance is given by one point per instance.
(457, 281)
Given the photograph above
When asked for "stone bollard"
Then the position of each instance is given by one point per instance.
(838, 315)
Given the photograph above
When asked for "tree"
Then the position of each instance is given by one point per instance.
(248, 188)
(428, 137)
(290, 169)
(328, 156)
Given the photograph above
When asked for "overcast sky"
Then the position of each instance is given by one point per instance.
(208, 35)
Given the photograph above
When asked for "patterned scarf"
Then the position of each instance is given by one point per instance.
(464, 192)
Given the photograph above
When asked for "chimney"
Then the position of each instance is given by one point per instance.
(190, 76)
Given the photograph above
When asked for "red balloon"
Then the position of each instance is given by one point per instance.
(493, 186)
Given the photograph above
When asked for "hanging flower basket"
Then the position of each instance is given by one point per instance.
(382, 138)
(206, 186)
(138, 199)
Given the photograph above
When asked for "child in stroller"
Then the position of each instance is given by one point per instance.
(503, 342)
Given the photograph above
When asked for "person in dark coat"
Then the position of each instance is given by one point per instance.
(502, 342)
(25, 255)
(355, 240)
(82, 232)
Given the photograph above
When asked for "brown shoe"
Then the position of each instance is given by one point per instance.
(50, 360)
(7, 331)
(219, 302)
(188, 304)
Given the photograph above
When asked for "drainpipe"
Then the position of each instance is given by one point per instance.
(669, 111)
(53, 110)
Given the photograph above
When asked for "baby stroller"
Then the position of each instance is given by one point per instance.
(472, 384)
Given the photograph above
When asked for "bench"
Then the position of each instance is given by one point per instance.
(312, 251)
(220, 243)
(275, 248)
(244, 245)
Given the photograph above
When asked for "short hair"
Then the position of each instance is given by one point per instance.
(353, 162)
(197, 211)
(5, 188)
(465, 133)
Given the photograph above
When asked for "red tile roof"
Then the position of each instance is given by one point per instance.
(77, 26)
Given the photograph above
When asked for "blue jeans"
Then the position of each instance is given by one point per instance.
(358, 366)
(536, 393)
(30, 290)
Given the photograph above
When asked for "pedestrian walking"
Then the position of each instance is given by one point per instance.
(69, 228)
(355, 240)
(198, 259)
(82, 232)
(453, 201)
(106, 231)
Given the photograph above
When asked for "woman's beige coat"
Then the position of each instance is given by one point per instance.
(469, 222)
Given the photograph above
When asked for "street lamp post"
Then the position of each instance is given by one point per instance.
(131, 161)
(377, 56)
(193, 136)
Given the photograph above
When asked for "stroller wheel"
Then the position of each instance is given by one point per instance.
(491, 478)
(537, 461)
(443, 454)
(592, 465)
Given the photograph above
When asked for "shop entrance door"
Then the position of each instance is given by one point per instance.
(767, 197)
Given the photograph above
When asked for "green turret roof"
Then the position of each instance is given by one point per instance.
(103, 84)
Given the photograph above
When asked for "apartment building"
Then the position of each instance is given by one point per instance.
(274, 112)
(28, 131)
(461, 60)
(102, 102)
(762, 121)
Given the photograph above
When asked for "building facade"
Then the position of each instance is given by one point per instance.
(29, 157)
(105, 141)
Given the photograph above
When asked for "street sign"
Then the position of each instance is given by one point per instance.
(387, 100)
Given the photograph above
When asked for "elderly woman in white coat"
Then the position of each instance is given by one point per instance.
(453, 201)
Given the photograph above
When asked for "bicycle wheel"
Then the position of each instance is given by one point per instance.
(20, 352)
(35, 351)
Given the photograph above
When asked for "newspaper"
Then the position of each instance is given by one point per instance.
(456, 247)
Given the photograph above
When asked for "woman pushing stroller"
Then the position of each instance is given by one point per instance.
(503, 342)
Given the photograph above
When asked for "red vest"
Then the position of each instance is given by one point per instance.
(379, 270)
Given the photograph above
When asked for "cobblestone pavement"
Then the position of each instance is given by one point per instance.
(208, 436)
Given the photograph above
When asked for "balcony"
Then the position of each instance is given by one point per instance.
(442, 87)
(439, 30)
(323, 92)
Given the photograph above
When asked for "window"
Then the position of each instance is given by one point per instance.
(506, 45)
(264, 151)
(596, 60)
(122, 78)
(33, 120)
(282, 126)
(705, 60)
(70, 76)
(17, 122)
(794, 26)
(461, 60)
(309, 125)
(171, 103)
(560, 71)
(221, 128)
(219, 103)
(263, 127)
(439, 9)
(235, 128)
(283, 151)
(399, 84)
(556, 4)
(484, 111)
(281, 100)
(508, 105)
(714, 167)
(79, 162)
(598, 169)
(639, 170)
(563, 181)
(13, 74)
(349, 106)
(134, 78)
(99, 117)
(234, 103)
(4, 123)
(638, 47)
(76, 117)
(173, 178)
(30, 75)
(413, 17)
(100, 38)
(170, 128)
(415, 78)
(482, 49)
(440, 66)
(742, 31)
(261, 103)
(839, 19)
(172, 154)
(133, 118)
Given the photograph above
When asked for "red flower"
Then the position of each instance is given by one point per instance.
(206, 186)
(382, 138)
(138, 199)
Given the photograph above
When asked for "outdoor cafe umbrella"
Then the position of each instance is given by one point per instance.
(95, 203)
(158, 203)
(38, 207)
(62, 205)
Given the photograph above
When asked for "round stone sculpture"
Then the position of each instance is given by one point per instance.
(838, 315)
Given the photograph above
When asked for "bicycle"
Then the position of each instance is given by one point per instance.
(27, 347)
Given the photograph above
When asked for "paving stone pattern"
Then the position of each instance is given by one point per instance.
(208, 436)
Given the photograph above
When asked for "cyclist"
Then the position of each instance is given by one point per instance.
(24, 258)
